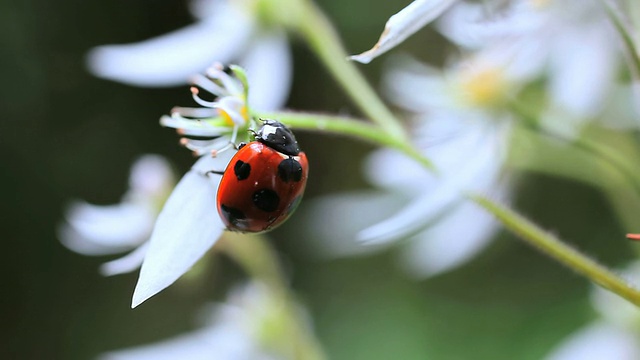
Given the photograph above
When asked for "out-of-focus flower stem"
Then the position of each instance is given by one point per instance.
(625, 32)
(511, 220)
(558, 250)
(321, 37)
(259, 261)
(621, 163)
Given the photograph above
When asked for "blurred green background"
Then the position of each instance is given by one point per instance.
(67, 135)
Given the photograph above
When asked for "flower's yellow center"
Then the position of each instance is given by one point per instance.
(244, 112)
(483, 87)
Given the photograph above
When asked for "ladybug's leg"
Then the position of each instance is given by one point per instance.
(217, 172)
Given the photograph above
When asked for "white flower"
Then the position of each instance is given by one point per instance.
(103, 230)
(225, 31)
(245, 327)
(614, 335)
(404, 24)
(576, 46)
(457, 126)
(189, 223)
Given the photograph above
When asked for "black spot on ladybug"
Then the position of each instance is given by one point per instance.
(290, 170)
(233, 215)
(266, 200)
(242, 170)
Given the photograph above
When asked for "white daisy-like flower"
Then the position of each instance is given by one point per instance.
(575, 47)
(459, 127)
(189, 224)
(614, 335)
(103, 230)
(225, 31)
(169, 242)
(250, 325)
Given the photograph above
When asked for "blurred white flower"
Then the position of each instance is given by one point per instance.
(459, 127)
(103, 230)
(245, 327)
(614, 335)
(225, 31)
(574, 46)
(404, 24)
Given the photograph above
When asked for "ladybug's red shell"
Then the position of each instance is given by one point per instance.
(261, 188)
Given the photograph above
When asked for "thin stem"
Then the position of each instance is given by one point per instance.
(558, 250)
(625, 32)
(620, 162)
(349, 127)
(259, 260)
(514, 222)
(320, 35)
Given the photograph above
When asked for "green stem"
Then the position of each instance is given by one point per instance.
(558, 250)
(259, 260)
(320, 35)
(349, 127)
(620, 162)
(625, 33)
(509, 218)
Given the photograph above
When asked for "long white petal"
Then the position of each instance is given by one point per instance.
(470, 160)
(205, 344)
(172, 58)
(269, 69)
(151, 175)
(454, 239)
(119, 226)
(74, 241)
(333, 221)
(125, 264)
(596, 342)
(403, 24)
(583, 69)
(186, 228)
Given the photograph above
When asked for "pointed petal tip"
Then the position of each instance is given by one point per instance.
(363, 58)
(140, 296)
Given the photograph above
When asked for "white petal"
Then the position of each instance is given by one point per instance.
(151, 175)
(124, 225)
(172, 58)
(269, 69)
(454, 239)
(204, 344)
(596, 342)
(583, 69)
(125, 264)
(403, 24)
(415, 86)
(475, 25)
(70, 238)
(333, 221)
(471, 160)
(186, 228)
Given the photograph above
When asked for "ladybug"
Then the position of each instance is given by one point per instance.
(264, 181)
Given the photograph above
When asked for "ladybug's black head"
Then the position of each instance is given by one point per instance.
(276, 136)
